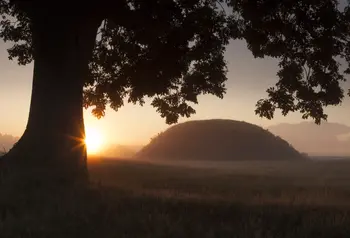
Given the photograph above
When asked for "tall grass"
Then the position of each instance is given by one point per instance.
(151, 200)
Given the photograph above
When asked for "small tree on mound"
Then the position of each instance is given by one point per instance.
(3, 151)
(101, 52)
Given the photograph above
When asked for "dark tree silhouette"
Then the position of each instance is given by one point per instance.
(99, 53)
(169, 50)
(308, 37)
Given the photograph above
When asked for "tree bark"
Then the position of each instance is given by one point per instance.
(54, 137)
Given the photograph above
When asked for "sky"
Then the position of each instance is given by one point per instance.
(248, 79)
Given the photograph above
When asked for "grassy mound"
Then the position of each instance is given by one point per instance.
(218, 140)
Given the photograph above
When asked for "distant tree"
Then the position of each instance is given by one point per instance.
(98, 53)
(3, 151)
(7, 141)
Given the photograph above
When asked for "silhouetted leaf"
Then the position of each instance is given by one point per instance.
(168, 50)
(306, 36)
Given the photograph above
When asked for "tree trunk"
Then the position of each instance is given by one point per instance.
(53, 141)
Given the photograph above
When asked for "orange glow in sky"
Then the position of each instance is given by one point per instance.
(248, 79)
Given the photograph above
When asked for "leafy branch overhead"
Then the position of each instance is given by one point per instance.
(173, 51)
(307, 37)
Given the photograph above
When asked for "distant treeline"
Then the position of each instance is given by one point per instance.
(7, 142)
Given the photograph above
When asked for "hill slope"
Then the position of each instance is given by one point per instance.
(218, 140)
(325, 139)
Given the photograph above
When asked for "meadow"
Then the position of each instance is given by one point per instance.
(189, 199)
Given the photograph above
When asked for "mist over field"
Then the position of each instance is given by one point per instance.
(307, 181)
(327, 139)
(197, 195)
(175, 119)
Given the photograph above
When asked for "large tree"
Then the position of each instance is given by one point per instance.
(99, 53)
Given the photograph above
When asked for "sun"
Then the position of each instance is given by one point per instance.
(93, 140)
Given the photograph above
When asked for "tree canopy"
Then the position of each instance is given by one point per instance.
(173, 50)
(308, 38)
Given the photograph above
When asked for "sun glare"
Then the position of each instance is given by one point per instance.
(93, 140)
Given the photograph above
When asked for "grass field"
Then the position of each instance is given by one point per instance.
(188, 199)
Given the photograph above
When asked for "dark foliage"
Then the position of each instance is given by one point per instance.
(308, 37)
(172, 51)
